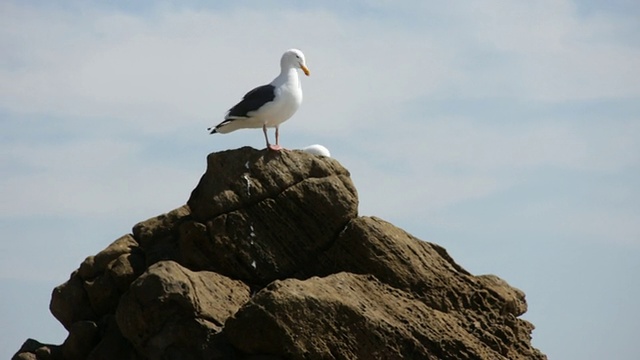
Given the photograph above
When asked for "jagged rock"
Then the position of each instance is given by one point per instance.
(33, 350)
(112, 344)
(369, 245)
(280, 214)
(70, 302)
(83, 337)
(240, 178)
(269, 260)
(95, 288)
(359, 318)
(108, 274)
(170, 308)
(158, 235)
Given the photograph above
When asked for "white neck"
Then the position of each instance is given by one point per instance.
(287, 75)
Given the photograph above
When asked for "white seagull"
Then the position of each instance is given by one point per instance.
(269, 105)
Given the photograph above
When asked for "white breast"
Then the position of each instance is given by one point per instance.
(286, 102)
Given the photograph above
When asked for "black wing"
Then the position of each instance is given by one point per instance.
(252, 101)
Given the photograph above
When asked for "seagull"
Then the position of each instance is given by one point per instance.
(270, 105)
(317, 149)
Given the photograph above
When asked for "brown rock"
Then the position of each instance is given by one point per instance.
(34, 350)
(95, 288)
(239, 178)
(343, 316)
(370, 245)
(83, 336)
(112, 344)
(171, 289)
(158, 235)
(94, 265)
(108, 274)
(170, 309)
(70, 302)
(265, 241)
(24, 356)
(347, 316)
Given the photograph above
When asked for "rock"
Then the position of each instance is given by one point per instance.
(369, 245)
(95, 288)
(25, 356)
(114, 268)
(269, 260)
(94, 265)
(240, 178)
(83, 336)
(170, 308)
(112, 344)
(157, 235)
(159, 226)
(34, 350)
(70, 302)
(265, 241)
(348, 316)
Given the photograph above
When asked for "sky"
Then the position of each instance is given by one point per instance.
(507, 132)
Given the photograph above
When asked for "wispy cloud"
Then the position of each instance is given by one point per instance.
(122, 72)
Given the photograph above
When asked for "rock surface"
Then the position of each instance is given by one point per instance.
(269, 260)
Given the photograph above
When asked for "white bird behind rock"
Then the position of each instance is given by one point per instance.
(270, 105)
(317, 149)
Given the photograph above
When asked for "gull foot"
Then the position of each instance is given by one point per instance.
(274, 147)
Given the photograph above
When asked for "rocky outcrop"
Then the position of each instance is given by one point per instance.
(270, 260)
(170, 309)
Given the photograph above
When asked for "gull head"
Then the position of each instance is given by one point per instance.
(294, 58)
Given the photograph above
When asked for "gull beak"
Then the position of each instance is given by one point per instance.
(304, 69)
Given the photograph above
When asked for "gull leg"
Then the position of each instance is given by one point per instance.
(275, 147)
(266, 138)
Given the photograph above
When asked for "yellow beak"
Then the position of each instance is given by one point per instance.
(305, 70)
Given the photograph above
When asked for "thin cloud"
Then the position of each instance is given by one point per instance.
(175, 69)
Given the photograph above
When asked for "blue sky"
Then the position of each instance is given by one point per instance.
(507, 132)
